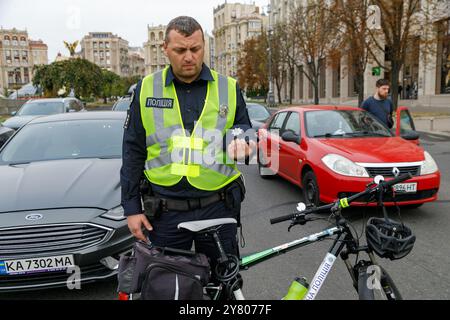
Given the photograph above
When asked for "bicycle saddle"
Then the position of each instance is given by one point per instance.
(200, 225)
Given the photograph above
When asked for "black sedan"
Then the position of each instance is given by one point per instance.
(258, 114)
(123, 104)
(60, 207)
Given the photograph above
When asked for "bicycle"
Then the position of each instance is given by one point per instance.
(369, 279)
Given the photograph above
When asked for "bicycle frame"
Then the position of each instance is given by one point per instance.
(343, 237)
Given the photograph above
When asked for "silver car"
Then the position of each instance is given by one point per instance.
(60, 209)
(42, 107)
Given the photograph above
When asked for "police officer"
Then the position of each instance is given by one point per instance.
(165, 140)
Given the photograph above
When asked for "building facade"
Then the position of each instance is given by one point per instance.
(234, 23)
(155, 58)
(18, 56)
(425, 76)
(137, 61)
(108, 51)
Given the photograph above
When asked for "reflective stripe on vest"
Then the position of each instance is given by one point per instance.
(171, 152)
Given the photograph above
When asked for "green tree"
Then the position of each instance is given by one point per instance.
(84, 77)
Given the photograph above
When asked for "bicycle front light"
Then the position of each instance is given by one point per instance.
(116, 214)
(344, 166)
(429, 166)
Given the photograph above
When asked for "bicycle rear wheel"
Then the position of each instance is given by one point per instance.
(374, 283)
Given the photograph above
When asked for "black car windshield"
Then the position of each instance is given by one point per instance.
(257, 112)
(65, 140)
(38, 108)
(343, 123)
(122, 105)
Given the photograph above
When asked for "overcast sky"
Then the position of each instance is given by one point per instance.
(70, 20)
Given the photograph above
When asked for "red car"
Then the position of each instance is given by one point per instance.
(333, 152)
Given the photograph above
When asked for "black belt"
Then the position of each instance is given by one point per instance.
(190, 204)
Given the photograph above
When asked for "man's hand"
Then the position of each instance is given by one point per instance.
(135, 223)
(239, 149)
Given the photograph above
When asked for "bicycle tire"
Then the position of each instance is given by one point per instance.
(386, 290)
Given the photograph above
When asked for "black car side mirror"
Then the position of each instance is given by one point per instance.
(410, 135)
(290, 136)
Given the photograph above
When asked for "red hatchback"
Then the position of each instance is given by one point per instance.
(334, 152)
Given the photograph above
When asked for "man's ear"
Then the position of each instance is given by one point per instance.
(165, 48)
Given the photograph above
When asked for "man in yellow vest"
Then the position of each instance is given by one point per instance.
(176, 138)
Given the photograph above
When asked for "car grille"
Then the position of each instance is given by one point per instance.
(387, 171)
(49, 239)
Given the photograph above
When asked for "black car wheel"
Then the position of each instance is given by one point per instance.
(310, 189)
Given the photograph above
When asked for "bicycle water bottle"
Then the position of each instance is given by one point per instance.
(297, 290)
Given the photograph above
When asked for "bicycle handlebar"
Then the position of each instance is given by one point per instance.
(381, 187)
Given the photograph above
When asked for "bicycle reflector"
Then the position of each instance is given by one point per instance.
(389, 239)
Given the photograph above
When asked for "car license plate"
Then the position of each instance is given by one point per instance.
(36, 265)
(405, 188)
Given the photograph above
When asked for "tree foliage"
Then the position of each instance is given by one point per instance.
(85, 78)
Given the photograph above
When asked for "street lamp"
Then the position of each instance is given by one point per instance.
(270, 95)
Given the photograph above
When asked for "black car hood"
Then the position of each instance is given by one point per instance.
(88, 183)
(18, 121)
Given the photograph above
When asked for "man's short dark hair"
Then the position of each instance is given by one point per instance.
(383, 82)
(184, 25)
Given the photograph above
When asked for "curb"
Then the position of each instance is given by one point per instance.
(437, 133)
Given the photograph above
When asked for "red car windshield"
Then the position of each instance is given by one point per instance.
(343, 123)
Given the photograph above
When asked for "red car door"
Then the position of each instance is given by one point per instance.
(274, 131)
(404, 125)
(290, 151)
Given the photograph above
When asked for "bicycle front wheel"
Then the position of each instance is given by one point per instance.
(374, 283)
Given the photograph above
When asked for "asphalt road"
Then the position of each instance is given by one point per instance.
(424, 274)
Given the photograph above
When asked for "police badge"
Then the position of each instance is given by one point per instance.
(223, 111)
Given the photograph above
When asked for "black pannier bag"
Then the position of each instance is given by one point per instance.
(163, 273)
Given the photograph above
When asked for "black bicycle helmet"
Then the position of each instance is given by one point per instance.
(388, 238)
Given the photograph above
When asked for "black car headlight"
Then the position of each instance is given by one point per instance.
(116, 214)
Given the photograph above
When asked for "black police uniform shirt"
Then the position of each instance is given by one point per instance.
(191, 98)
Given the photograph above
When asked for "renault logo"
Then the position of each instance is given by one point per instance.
(34, 217)
(396, 172)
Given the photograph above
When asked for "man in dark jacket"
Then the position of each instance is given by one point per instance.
(379, 105)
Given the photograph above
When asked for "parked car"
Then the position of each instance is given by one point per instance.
(5, 134)
(258, 115)
(41, 107)
(60, 204)
(334, 152)
(123, 104)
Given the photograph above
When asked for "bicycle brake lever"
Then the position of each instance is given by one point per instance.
(299, 220)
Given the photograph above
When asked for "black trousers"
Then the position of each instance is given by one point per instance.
(166, 234)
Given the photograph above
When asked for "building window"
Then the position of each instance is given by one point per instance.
(101, 45)
(95, 45)
(7, 40)
(16, 56)
(14, 41)
(23, 41)
(107, 45)
(108, 54)
(444, 57)
(26, 75)
(10, 77)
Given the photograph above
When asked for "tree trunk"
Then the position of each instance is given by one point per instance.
(395, 71)
(291, 84)
(360, 88)
(278, 90)
(316, 90)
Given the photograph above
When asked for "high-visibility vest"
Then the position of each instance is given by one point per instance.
(171, 152)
